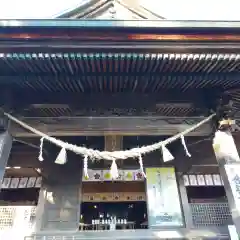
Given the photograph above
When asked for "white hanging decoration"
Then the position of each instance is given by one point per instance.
(141, 165)
(167, 156)
(224, 146)
(85, 167)
(62, 157)
(185, 146)
(40, 157)
(98, 155)
(114, 170)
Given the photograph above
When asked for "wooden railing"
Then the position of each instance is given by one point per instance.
(18, 222)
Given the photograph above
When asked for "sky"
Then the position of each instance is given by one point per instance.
(32, 9)
(170, 9)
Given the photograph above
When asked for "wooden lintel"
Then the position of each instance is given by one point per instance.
(99, 126)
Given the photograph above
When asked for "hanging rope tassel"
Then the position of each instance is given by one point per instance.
(114, 170)
(185, 146)
(40, 157)
(62, 157)
(141, 165)
(167, 156)
(85, 167)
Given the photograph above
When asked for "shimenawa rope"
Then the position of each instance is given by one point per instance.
(116, 155)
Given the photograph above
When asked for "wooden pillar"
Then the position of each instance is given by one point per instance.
(60, 196)
(5, 150)
(187, 213)
(113, 143)
(229, 167)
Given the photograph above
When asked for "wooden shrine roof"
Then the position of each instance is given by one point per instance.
(109, 9)
(68, 68)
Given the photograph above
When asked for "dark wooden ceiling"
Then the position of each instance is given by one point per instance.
(78, 84)
(177, 70)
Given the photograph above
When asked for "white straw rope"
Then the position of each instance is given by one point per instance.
(85, 167)
(96, 154)
(185, 146)
(141, 165)
(40, 158)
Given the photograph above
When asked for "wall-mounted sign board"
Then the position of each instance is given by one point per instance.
(24, 182)
(202, 180)
(114, 197)
(164, 208)
(104, 175)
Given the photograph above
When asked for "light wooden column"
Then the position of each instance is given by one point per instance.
(113, 143)
(185, 204)
(229, 167)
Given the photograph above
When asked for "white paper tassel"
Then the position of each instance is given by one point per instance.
(40, 157)
(167, 156)
(185, 147)
(62, 157)
(224, 146)
(114, 170)
(141, 165)
(85, 167)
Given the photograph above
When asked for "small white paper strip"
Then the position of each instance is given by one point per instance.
(6, 183)
(193, 180)
(38, 182)
(14, 183)
(209, 180)
(201, 180)
(217, 180)
(23, 182)
(40, 157)
(31, 182)
(186, 180)
(185, 147)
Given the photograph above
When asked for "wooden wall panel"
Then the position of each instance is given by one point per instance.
(99, 187)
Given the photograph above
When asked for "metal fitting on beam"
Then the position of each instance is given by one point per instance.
(225, 115)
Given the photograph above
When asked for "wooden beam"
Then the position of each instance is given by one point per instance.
(110, 125)
(107, 100)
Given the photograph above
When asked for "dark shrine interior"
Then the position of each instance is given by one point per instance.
(133, 211)
(136, 211)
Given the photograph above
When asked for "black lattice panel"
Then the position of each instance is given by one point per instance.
(7, 215)
(211, 214)
(24, 214)
(30, 216)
